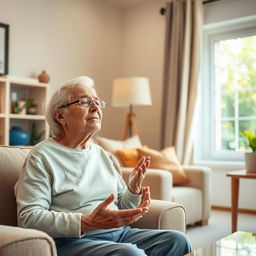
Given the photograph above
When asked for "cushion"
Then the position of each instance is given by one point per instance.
(166, 160)
(113, 145)
(129, 156)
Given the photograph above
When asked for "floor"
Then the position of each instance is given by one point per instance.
(218, 227)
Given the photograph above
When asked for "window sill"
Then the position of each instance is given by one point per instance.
(222, 165)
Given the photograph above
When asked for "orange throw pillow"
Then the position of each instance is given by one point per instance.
(165, 159)
(129, 156)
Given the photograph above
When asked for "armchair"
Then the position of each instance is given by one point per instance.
(13, 239)
(194, 195)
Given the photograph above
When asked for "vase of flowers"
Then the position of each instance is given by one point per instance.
(250, 157)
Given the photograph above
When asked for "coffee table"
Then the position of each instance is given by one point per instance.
(237, 244)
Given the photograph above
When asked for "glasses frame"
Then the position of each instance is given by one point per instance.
(102, 104)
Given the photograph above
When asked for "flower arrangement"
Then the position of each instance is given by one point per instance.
(251, 139)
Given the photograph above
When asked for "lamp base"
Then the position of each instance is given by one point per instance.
(131, 127)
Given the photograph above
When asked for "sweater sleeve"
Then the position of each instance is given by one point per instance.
(126, 199)
(33, 196)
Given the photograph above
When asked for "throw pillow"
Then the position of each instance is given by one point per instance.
(113, 145)
(166, 160)
(129, 156)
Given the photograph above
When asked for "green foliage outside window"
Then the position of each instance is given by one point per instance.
(235, 83)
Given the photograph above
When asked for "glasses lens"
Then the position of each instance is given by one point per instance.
(86, 102)
(102, 104)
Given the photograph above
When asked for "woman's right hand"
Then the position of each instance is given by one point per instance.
(103, 218)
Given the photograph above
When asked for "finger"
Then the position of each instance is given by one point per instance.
(105, 203)
(147, 161)
(144, 197)
(140, 162)
(127, 212)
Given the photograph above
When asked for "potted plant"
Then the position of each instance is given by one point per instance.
(31, 106)
(250, 157)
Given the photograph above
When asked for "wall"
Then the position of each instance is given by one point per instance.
(90, 37)
(142, 55)
(221, 195)
(66, 38)
(144, 50)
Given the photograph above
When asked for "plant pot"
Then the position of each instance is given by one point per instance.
(250, 161)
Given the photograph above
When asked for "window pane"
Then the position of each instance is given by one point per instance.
(224, 68)
(245, 125)
(227, 104)
(235, 91)
(227, 135)
(247, 103)
(246, 77)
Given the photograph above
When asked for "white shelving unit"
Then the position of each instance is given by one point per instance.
(25, 88)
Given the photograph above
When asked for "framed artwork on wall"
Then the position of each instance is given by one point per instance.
(4, 48)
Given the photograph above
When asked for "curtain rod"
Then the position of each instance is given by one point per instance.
(163, 9)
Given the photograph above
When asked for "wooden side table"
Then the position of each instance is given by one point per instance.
(235, 178)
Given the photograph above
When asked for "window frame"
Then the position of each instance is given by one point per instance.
(205, 138)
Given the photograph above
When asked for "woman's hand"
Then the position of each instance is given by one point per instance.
(138, 174)
(103, 218)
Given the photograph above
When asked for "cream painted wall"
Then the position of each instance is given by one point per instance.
(221, 185)
(90, 37)
(66, 38)
(143, 42)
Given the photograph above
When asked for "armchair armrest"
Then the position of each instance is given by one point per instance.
(29, 242)
(159, 181)
(163, 215)
(200, 177)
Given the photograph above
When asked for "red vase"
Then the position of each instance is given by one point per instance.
(43, 77)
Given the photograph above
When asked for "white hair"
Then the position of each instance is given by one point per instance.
(62, 96)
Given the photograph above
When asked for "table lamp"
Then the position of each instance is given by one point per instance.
(130, 91)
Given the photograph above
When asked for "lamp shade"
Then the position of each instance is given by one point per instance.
(131, 91)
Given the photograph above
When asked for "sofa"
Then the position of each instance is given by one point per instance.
(193, 190)
(16, 240)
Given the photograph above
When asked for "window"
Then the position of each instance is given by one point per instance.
(228, 90)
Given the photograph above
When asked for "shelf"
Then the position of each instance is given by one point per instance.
(27, 117)
(15, 90)
(20, 81)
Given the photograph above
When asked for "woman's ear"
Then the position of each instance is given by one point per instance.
(59, 117)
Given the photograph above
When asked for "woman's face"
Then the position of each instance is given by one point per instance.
(79, 120)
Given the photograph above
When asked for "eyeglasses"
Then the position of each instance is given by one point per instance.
(86, 102)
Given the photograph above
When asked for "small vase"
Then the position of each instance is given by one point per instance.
(19, 137)
(250, 162)
(43, 77)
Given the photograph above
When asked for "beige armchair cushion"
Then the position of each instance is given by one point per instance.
(29, 242)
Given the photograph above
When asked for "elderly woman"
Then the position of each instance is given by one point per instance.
(70, 188)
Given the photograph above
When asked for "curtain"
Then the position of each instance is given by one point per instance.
(181, 72)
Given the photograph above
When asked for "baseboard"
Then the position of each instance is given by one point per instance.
(228, 209)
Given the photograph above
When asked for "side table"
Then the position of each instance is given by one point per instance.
(235, 178)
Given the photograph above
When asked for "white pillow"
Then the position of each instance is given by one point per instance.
(113, 145)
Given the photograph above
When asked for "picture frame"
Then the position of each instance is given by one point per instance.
(4, 48)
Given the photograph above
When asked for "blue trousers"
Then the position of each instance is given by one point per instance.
(126, 241)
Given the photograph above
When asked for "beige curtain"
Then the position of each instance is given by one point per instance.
(181, 72)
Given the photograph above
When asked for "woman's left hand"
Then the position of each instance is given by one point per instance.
(138, 174)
